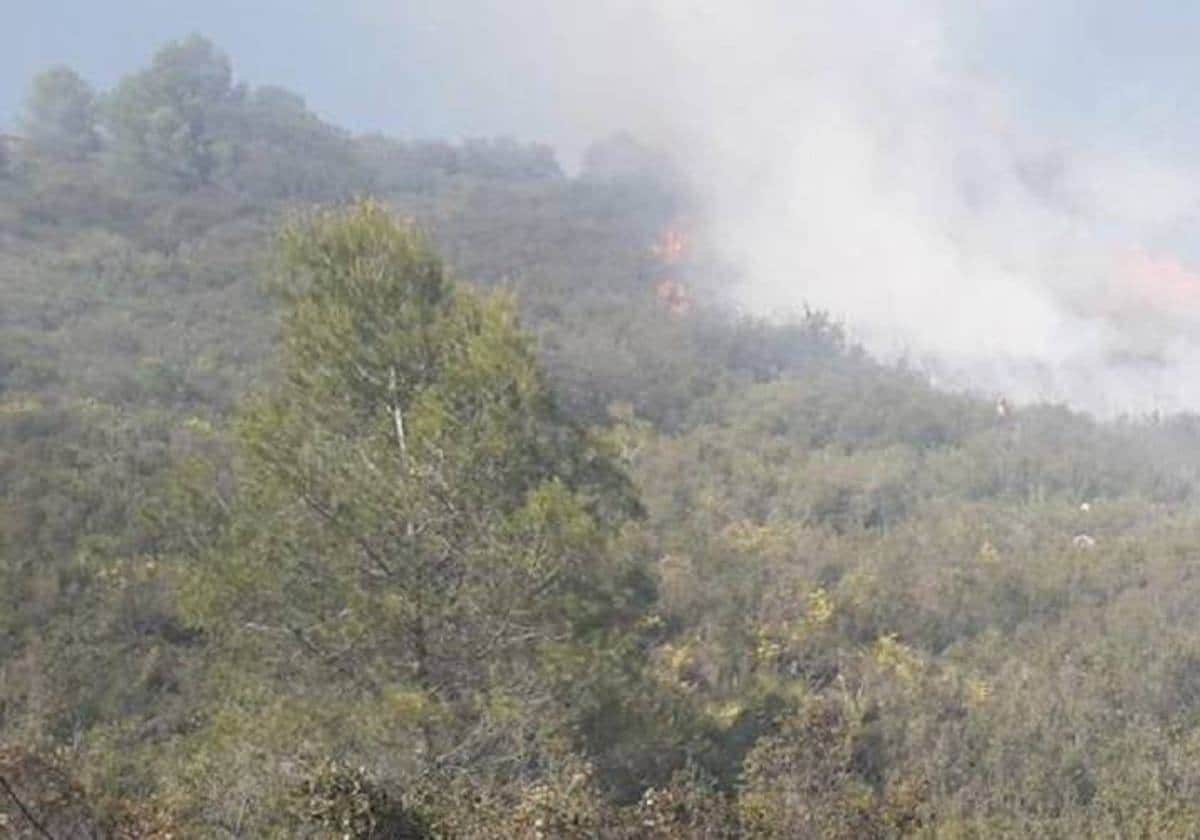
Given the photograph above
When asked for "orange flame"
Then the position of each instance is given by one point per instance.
(671, 251)
(671, 247)
(1163, 284)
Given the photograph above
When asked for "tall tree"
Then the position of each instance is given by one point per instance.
(416, 524)
(169, 121)
(60, 114)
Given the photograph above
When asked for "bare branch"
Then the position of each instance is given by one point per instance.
(25, 811)
(397, 415)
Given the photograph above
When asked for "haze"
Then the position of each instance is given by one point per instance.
(1004, 196)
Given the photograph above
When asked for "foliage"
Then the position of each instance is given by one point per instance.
(454, 529)
(60, 115)
(345, 802)
(167, 120)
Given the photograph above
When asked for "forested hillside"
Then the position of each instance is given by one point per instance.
(356, 487)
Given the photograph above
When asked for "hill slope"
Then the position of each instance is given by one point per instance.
(856, 606)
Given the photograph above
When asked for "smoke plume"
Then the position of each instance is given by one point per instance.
(850, 159)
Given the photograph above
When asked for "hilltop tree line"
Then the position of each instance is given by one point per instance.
(184, 123)
(421, 516)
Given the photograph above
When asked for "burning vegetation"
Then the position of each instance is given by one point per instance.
(1152, 284)
(671, 251)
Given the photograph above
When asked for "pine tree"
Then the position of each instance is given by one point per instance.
(416, 527)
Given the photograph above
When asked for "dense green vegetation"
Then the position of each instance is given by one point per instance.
(425, 515)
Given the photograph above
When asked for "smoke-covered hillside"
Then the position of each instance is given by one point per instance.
(361, 487)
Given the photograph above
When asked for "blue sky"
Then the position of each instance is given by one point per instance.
(1122, 70)
(412, 68)
(1126, 71)
(332, 53)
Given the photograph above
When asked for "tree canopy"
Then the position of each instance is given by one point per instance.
(60, 114)
(429, 515)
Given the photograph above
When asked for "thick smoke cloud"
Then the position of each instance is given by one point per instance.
(853, 164)
(1002, 191)
(850, 159)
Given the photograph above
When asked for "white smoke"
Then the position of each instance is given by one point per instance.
(849, 161)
